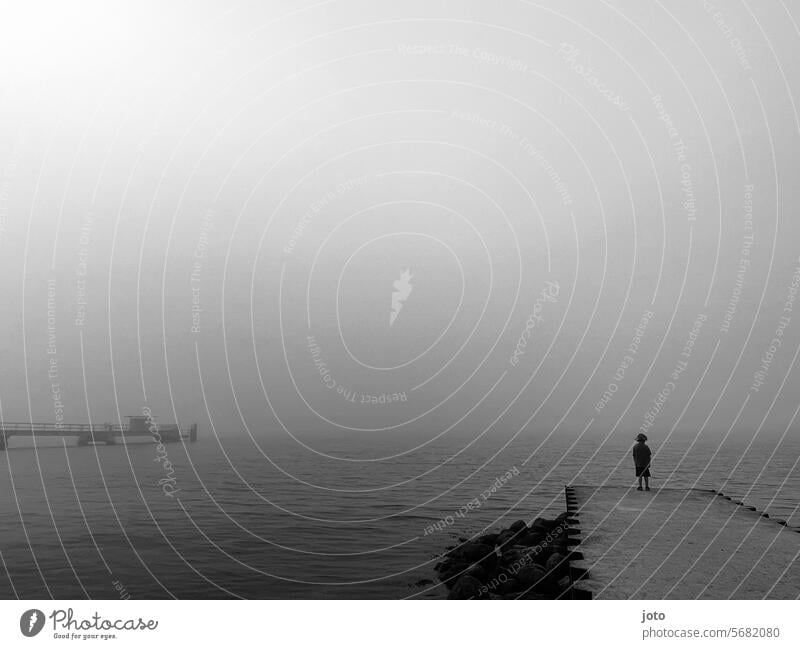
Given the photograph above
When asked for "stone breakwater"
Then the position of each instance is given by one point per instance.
(519, 562)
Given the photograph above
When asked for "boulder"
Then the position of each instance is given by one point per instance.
(474, 551)
(530, 575)
(490, 562)
(563, 588)
(517, 547)
(531, 561)
(556, 565)
(479, 572)
(466, 587)
(470, 552)
(488, 539)
(531, 539)
(542, 525)
(516, 558)
(452, 571)
(507, 586)
(518, 527)
(534, 577)
(541, 553)
(506, 538)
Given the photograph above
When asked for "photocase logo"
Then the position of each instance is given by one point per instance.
(31, 622)
(402, 289)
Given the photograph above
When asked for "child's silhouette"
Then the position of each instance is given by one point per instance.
(641, 459)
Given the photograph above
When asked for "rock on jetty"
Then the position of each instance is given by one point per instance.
(520, 562)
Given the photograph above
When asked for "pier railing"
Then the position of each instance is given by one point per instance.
(28, 427)
(94, 433)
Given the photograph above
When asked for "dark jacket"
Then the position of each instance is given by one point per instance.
(641, 454)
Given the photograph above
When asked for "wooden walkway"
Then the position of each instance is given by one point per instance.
(680, 544)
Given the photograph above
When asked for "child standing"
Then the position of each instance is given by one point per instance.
(641, 459)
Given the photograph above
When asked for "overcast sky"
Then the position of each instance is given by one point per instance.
(207, 208)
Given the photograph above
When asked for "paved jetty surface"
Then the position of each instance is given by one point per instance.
(681, 544)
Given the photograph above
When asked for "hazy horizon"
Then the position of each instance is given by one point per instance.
(281, 167)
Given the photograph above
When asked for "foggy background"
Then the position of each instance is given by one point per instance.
(204, 206)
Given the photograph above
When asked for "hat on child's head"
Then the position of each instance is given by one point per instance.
(641, 437)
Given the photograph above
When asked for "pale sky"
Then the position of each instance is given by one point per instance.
(219, 197)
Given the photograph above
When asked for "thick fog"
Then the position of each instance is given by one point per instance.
(402, 219)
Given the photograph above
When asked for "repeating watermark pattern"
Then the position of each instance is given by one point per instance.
(168, 482)
(526, 559)
(347, 393)
(121, 590)
(547, 294)
(680, 367)
(525, 144)
(316, 207)
(748, 239)
(733, 40)
(381, 399)
(685, 168)
(52, 356)
(197, 268)
(569, 54)
(402, 289)
(322, 367)
(374, 186)
(474, 504)
(785, 319)
(627, 360)
(82, 268)
(453, 49)
(555, 178)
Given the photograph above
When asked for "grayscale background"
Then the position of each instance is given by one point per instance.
(207, 208)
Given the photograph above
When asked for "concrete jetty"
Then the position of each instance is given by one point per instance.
(678, 544)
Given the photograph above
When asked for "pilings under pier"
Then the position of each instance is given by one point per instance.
(679, 544)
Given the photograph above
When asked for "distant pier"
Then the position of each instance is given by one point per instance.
(678, 544)
(108, 434)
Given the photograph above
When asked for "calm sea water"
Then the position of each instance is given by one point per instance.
(274, 519)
